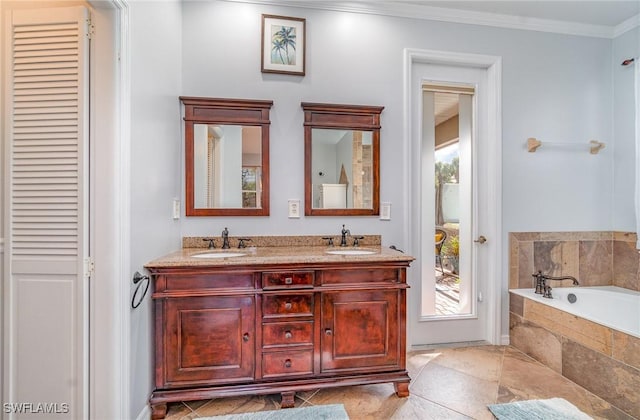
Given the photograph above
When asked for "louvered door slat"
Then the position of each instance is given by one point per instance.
(47, 204)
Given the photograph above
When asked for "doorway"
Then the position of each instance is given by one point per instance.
(455, 196)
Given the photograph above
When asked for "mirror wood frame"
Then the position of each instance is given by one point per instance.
(343, 117)
(199, 110)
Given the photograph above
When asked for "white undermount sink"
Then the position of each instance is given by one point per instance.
(350, 252)
(220, 254)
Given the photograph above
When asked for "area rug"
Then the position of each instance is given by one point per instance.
(313, 412)
(551, 409)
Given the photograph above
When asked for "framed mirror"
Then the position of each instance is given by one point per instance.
(342, 159)
(226, 156)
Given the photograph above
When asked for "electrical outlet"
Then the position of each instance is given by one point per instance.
(385, 211)
(294, 209)
(176, 208)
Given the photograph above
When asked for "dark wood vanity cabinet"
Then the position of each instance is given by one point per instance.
(263, 330)
(360, 331)
(208, 340)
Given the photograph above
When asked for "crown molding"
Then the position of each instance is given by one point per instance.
(627, 25)
(441, 14)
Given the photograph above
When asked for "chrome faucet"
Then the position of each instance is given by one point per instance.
(542, 288)
(345, 232)
(225, 239)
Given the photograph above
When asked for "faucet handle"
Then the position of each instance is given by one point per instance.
(356, 240)
(241, 242)
(212, 244)
(328, 238)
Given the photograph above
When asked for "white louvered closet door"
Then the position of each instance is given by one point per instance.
(47, 196)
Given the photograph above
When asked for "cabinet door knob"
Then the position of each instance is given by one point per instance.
(287, 363)
(328, 331)
(288, 280)
(288, 334)
(287, 305)
(245, 337)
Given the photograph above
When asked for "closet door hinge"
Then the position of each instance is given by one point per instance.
(89, 267)
(90, 29)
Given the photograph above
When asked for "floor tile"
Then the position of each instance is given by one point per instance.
(524, 378)
(362, 402)
(417, 408)
(456, 390)
(243, 404)
(416, 361)
(178, 411)
(482, 362)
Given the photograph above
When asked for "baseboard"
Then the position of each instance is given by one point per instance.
(504, 340)
(145, 414)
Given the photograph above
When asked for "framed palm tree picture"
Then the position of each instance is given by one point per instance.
(283, 45)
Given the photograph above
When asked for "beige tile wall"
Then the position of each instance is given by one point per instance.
(594, 258)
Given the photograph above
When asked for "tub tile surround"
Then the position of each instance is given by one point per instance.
(626, 267)
(611, 380)
(594, 258)
(602, 360)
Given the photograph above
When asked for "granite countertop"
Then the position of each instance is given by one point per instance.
(276, 255)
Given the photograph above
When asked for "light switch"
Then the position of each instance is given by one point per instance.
(294, 209)
(176, 208)
(385, 211)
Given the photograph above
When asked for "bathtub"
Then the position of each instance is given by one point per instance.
(611, 306)
(593, 341)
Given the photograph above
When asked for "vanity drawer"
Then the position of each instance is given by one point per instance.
(287, 363)
(278, 334)
(287, 305)
(290, 279)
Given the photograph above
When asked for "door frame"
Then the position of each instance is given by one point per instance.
(493, 66)
(110, 292)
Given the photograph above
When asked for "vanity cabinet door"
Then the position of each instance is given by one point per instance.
(360, 330)
(209, 340)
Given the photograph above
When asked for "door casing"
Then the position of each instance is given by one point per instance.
(493, 211)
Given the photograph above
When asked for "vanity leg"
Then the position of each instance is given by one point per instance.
(287, 399)
(402, 389)
(158, 411)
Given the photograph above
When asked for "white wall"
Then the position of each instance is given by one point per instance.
(156, 144)
(555, 87)
(625, 46)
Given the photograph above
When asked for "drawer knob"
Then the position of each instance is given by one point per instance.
(288, 280)
(245, 337)
(328, 331)
(287, 305)
(288, 334)
(287, 363)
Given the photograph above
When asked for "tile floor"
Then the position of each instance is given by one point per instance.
(447, 383)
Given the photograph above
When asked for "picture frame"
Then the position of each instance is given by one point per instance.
(283, 45)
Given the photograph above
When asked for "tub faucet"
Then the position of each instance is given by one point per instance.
(541, 283)
(225, 239)
(344, 232)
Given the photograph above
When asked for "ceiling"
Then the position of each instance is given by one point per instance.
(605, 13)
(596, 18)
